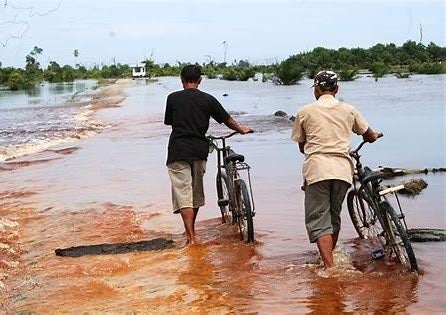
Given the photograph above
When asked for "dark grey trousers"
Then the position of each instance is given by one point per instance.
(323, 203)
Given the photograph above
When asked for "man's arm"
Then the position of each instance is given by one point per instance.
(301, 147)
(168, 112)
(370, 135)
(232, 124)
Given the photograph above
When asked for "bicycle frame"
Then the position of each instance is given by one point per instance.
(377, 208)
(231, 169)
(222, 153)
(370, 188)
(368, 181)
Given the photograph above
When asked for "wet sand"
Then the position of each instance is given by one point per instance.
(113, 189)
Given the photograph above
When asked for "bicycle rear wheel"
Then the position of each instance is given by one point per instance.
(363, 216)
(244, 211)
(398, 240)
(224, 198)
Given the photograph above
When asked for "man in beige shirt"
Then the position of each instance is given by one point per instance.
(323, 130)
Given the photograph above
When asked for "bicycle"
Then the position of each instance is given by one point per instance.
(234, 199)
(373, 216)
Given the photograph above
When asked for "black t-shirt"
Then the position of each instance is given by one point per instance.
(189, 111)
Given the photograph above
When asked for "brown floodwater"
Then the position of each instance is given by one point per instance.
(113, 189)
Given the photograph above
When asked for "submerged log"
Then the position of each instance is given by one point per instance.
(427, 235)
(119, 248)
(393, 172)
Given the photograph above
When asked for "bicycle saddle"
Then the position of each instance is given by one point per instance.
(372, 176)
(234, 157)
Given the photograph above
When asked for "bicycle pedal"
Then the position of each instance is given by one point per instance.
(223, 202)
(377, 253)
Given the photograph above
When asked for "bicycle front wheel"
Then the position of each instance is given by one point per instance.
(398, 241)
(224, 198)
(363, 216)
(244, 211)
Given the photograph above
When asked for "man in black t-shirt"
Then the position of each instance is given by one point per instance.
(188, 112)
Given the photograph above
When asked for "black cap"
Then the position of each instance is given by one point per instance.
(326, 79)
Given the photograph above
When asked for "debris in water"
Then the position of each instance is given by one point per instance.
(393, 172)
(119, 248)
(413, 187)
(427, 235)
(378, 253)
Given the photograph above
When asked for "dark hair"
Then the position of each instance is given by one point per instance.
(191, 73)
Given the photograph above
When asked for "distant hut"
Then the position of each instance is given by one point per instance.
(139, 71)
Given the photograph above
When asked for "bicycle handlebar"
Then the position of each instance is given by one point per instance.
(226, 136)
(355, 151)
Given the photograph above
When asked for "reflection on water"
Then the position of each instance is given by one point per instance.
(48, 114)
(114, 189)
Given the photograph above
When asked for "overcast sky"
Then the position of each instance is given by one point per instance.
(260, 31)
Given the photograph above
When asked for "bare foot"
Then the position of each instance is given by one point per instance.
(191, 241)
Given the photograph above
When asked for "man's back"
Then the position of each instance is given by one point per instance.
(325, 127)
(328, 124)
(189, 111)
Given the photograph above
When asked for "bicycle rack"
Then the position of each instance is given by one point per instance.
(244, 166)
(394, 190)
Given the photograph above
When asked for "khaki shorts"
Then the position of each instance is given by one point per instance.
(323, 203)
(187, 184)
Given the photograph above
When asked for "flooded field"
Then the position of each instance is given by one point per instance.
(113, 188)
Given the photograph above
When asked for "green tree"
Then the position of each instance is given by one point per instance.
(18, 81)
(289, 72)
(152, 69)
(436, 53)
(413, 52)
(347, 74)
(245, 74)
(53, 73)
(33, 72)
(379, 69)
(229, 74)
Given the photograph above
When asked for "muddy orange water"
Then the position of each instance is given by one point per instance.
(113, 188)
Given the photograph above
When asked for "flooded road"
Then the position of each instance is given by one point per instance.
(113, 188)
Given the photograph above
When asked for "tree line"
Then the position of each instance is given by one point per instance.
(381, 59)
(33, 74)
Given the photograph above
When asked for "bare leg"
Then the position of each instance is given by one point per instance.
(335, 238)
(195, 216)
(188, 215)
(325, 246)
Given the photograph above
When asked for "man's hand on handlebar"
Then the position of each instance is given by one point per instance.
(244, 130)
(371, 136)
(232, 124)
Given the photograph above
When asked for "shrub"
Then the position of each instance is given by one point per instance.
(348, 74)
(289, 72)
(229, 74)
(18, 81)
(379, 69)
(427, 68)
(245, 73)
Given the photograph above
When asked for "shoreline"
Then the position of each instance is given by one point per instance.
(107, 96)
